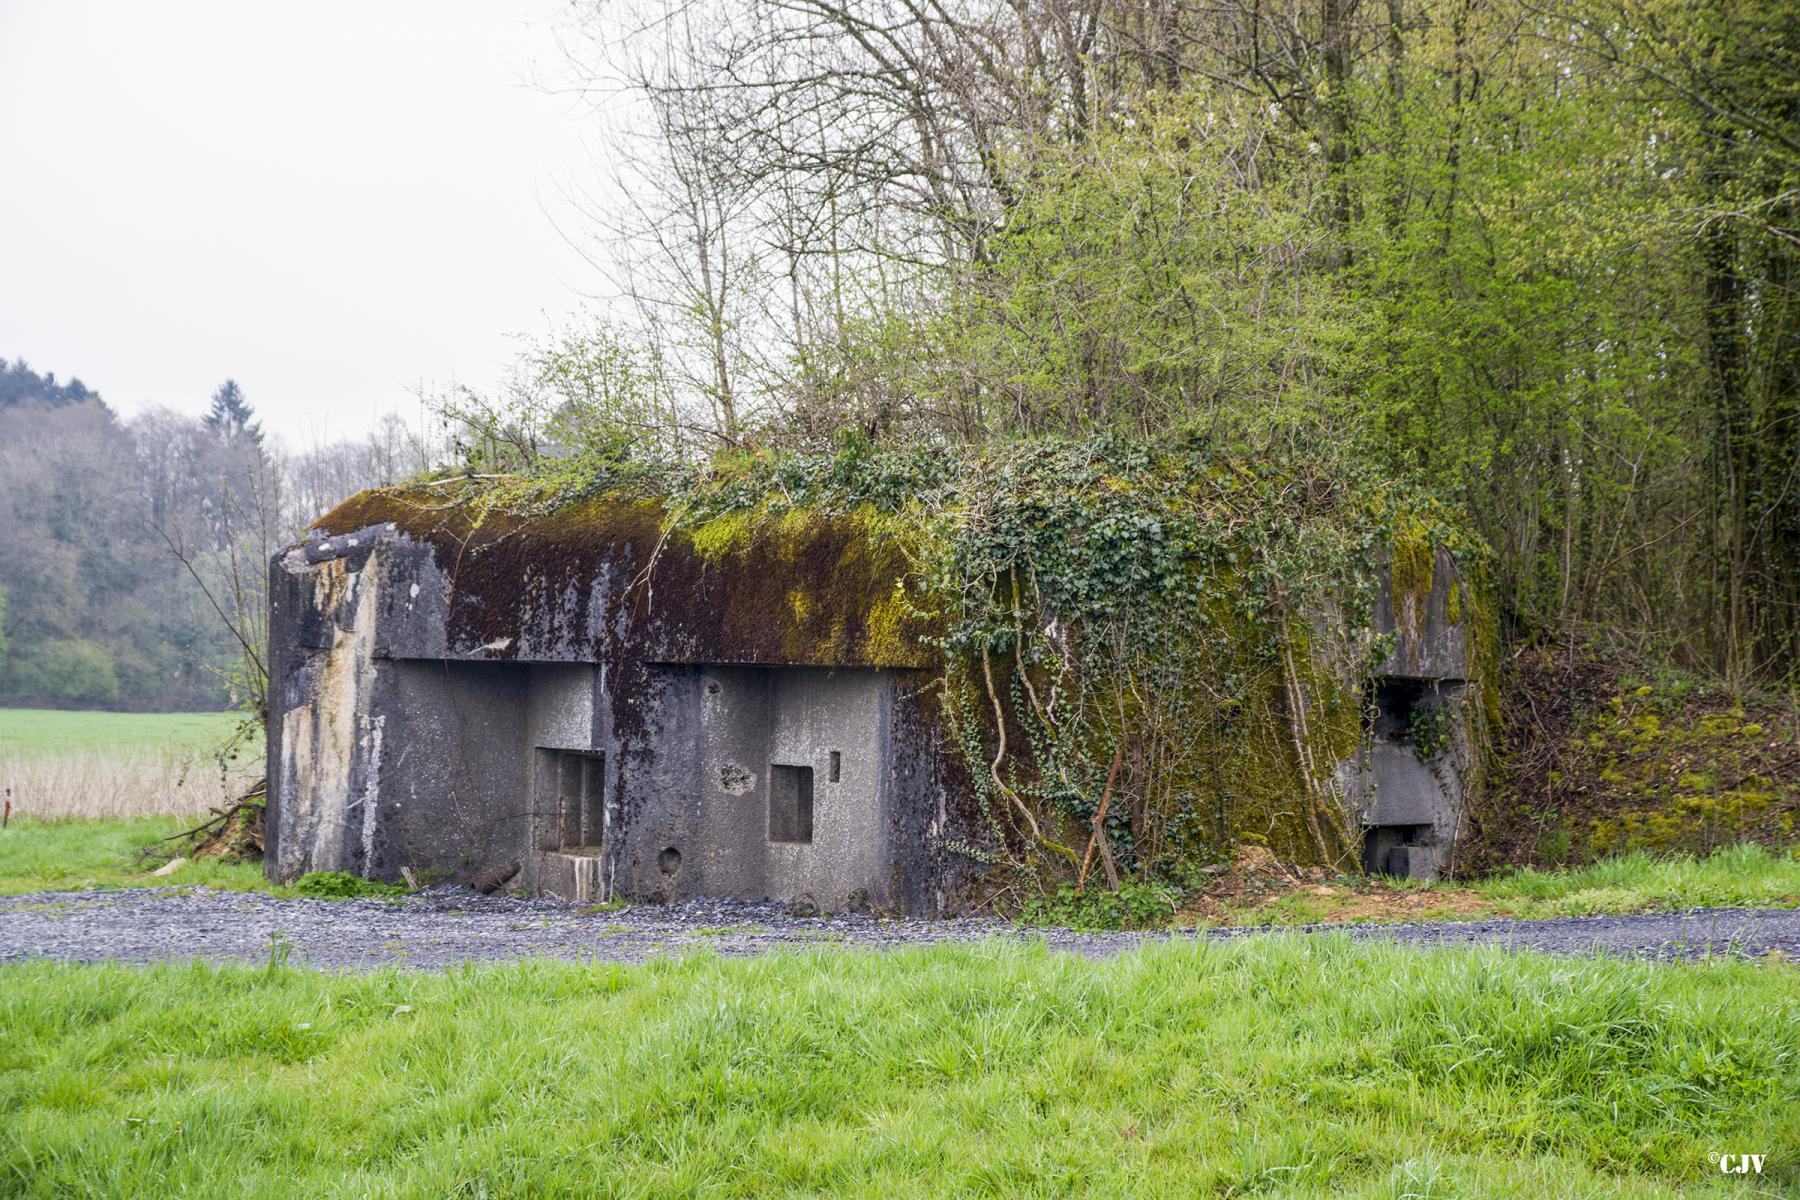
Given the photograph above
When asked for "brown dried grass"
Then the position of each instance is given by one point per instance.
(118, 784)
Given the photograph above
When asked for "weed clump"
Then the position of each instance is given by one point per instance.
(342, 885)
(1137, 904)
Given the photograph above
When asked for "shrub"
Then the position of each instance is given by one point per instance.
(342, 885)
(63, 670)
(1138, 904)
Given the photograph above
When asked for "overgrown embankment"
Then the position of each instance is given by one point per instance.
(1601, 756)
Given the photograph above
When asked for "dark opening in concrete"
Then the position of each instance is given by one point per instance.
(790, 803)
(1389, 849)
(1395, 700)
(837, 766)
(669, 861)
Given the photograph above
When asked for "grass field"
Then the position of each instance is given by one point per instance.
(55, 856)
(1738, 876)
(40, 731)
(56, 764)
(1279, 1067)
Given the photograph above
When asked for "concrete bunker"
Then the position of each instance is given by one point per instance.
(450, 701)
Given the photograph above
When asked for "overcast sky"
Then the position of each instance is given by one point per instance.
(329, 202)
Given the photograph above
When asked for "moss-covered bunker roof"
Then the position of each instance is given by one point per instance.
(801, 587)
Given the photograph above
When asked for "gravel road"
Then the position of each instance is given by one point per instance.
(453, 925)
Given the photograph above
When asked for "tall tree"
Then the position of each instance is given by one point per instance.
(231, 418)
(1543, 255)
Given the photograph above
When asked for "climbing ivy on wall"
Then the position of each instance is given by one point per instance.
(1150, 652)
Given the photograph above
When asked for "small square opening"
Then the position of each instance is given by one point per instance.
(790, 803)
(576, 818)
(1395, 701)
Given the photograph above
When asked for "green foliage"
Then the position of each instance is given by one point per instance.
(231, 419)
(79, 494)
(1429, 727)
(1137, 904)
(20, 385)
(1295, 1067)
(1138, 286)
(341, 885)
(1088, 597)
(1684, 771)
(587, 393)
(1544, 258)
(63, 670)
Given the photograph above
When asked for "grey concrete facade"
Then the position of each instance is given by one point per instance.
(395, 744)
(1419, 756)
(450, 713)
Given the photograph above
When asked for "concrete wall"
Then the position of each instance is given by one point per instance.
(703, 790)
(326, 733)
(1410, 800)
(381, 759)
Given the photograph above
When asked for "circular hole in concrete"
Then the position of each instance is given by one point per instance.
(669, 860)
(712, 689)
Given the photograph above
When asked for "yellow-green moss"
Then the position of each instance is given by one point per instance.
(884, 637)
(1415, 563)
(722, 537)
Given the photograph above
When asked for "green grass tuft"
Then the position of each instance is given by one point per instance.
(1737, 876)
(51, 856)
(342, 885)
(1278, 1067)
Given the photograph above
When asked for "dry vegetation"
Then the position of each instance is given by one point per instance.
(120, 784)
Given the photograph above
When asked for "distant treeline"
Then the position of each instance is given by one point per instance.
(127, 544)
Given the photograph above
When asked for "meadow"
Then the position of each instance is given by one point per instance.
(1282, 1067)
(25, 732)
(1277, 1066)
(75, 855)
(57, 764)
(1742, 876)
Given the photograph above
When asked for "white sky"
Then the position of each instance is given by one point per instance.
(329, 202)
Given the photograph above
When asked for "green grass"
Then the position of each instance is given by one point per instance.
(38, 731)
(1738, 876)
(52, 856)
(1278, 1067)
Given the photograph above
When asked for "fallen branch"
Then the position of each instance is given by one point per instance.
(234, 830)
(1098, 838)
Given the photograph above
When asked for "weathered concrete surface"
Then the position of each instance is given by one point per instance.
(1410, 801)
(454, 925)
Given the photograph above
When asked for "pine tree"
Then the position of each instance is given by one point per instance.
(232, 418)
